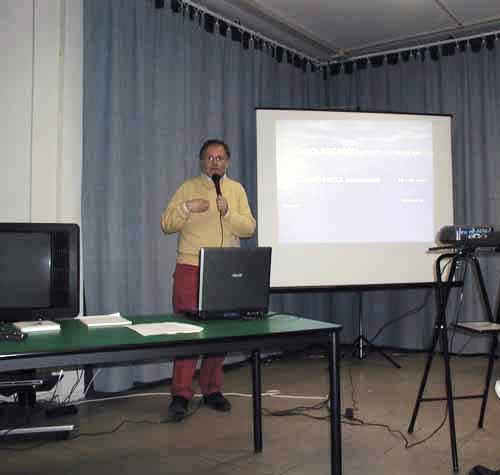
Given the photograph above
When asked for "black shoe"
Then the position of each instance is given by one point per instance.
(480, 470)
(217, 401)
(178, 408)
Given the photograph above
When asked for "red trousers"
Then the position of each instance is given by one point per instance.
(185, 297)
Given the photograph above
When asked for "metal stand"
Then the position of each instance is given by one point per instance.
(18, 420)
(361, 345)
(441, 333)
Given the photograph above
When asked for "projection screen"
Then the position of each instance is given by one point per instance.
(352, 198)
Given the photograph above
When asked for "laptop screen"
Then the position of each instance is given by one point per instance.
(234, 281)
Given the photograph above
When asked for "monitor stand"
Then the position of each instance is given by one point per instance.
(26, 417)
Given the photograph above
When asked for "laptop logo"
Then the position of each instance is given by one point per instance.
(237, 276)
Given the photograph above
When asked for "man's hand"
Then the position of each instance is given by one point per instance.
(197, 205)
(222, 205)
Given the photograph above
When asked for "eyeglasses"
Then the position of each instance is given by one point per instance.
(217, 158)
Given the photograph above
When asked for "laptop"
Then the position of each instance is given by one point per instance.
(234, 283)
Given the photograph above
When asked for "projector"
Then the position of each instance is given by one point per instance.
(469, 235)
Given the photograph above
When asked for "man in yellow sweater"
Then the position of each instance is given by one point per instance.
(203, 217)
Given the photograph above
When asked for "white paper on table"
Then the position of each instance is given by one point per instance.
(164, 328)
(111, 320)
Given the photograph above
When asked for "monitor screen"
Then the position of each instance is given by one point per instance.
(25, 270)
(39, 271)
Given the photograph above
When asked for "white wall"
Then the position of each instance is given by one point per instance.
(41, 92)
(16, 79)
(41, 117)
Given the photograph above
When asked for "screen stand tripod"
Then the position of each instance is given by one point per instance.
(361, 345)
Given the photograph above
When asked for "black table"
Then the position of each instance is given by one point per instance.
(77, 346)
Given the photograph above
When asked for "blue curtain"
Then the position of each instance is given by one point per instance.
(157, 84)
(466, 85)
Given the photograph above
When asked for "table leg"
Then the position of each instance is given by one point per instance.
(257, 401)
(335, 433)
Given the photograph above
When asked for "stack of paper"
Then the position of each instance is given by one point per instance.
(38, 326)
(111, 320)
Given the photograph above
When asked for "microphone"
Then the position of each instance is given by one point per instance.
(216, 180)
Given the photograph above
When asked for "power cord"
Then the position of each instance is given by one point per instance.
(350, 419)
(79, 377)
(407, 314)
(353, 395)
(299, 411)
(356, 421)
(302, 410)
(459, 305)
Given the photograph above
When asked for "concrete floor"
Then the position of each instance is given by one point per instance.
(218, 444)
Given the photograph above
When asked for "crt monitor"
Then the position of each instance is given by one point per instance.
(39, 271)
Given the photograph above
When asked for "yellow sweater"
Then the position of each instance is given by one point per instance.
(198, 230)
